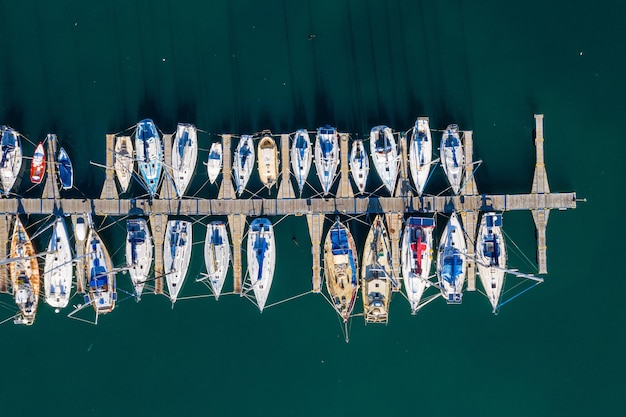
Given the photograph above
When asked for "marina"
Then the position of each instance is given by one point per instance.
(333, 162)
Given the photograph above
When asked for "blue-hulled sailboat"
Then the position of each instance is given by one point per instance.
(149, 150)
(66, 172)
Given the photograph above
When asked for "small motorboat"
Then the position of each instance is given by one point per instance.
(326, 156)
(149, 149)
(385, 155)
(417, 256)
(38, 165)
(66, 172)
(58, 269)
(24, 273)
(243, 162)
(139, 253)
(359, 165)
(102, 293)
(261, 259)
(11, 158)
(214, 161)
(491, 257)
(176, 255)
(452, 158)
(376, 274)
(420, 153)
(216, 255)
(124, 161)
(451, 262)
(268, 161)
(301, 157)
(184, 156)
(340, 269)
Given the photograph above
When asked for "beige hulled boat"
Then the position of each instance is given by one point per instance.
(376, 279)
(24, 272)
(268, 161)
(340, 269)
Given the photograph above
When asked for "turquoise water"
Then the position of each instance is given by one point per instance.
(83, 69)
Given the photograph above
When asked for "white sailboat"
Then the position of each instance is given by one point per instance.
(176, 255)
(214, 161)
(491, 257)
(216, 255)
(102, 293)
(11, 158)
(452, 157)
(58, 269)
(376, 274)
(326, 156)
(139, 253)
(385, 155)
(149, 149)
(268, 161)
(184, 156)
(124, 161)
(451, 261)
(359, 165)
(417, 256)
(301, 157)
(243, 162)
(261, 259)
(420, 153)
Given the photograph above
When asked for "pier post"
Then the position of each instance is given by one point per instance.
(316, 229)
(167, 187)
(5, 224)
(158, 224)
(540, 189)
(469, 216)
(345, 189)
(80, 259)
(109, 190)
(50, 189)
(237, 224)
(227, 191)
(285, 189)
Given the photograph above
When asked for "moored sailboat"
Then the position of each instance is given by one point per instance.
(102, 293)
(491, 257)
(376, 276)
(58, 269)
(38, 165)
(261, 259)
(452, 158)
(184, 156)
(66, 172)
(176, 255)
(139, 253)
(326, 156)
(420, 154)
(214, 161)
(340, 269)
(451, 262)
(359, 165)
(11, 158)
(301, 157)
(385, 155)
(417, 255)
(216, 255)
(24, 273)
(268, 161)
(243, 162)
(149, 149)
(124, 161)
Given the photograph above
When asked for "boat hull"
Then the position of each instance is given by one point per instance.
(268, 161)
(243, 163)
(376, 278)
(10, 157)
(340, 269)
(24, 273)
(385, 155)
(58, 270)
(301, 157)
(491, 257)
(184, 156)
(149, 150)
(417, 256)
(66, 171)
(176, 255)
(101, 277)
(124, 161)
(214, 161)
(452, 157)
(139, 253)
(216, 255)
(38, 165)
(261, 259)
(359, 165)
(420, 154)
(451, 261)
(326, 157)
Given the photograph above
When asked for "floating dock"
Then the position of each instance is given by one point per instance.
(402, 202)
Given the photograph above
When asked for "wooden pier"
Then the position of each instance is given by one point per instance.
(468, 204)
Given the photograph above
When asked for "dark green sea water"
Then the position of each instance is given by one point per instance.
(83, 69)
